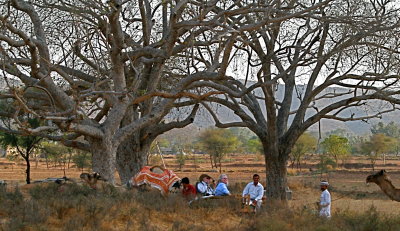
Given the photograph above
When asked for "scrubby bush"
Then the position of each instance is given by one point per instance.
(180, 160)
(82, 160)
(76, 207)
(306, 220)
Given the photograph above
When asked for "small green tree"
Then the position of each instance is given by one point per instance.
(336, 146)
(58, 153)
(254, 145)
(218, 142)
(244, 135)
(82, 160)
(180, 159)
(13, 157)
(24, 145)
(356, 143)
(367, 149)
(376, 146)
(325, 164)
(53, 151)
(391, 129)
(306, 143)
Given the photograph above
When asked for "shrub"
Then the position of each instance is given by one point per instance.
(75, 207)
(40, 191)
(82, 160)
(9, 201)
(344, 220)
(181, 159)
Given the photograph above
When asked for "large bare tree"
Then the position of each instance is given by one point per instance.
(110, 71)
(339, 58)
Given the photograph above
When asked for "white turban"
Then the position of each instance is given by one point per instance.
(324, 183)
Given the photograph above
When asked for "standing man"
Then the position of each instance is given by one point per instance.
(325, 200)
(256, 192)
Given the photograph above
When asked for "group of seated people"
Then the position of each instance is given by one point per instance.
(205, 188)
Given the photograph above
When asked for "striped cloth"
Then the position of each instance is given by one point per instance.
(162, 180)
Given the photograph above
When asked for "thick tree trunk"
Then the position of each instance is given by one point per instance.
(131, 157)
(276, 171)
(104, 158)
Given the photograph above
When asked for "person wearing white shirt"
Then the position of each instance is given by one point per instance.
(256, 192)
(203, 187)
(325, 200)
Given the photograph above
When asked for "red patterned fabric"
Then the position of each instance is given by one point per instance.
(162, 181)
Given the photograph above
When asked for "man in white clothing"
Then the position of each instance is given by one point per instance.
(256, 192)
(325, 200)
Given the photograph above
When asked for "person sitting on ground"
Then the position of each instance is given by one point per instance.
(256, 192)
(203, 186)
(222, 187)
(188, 190)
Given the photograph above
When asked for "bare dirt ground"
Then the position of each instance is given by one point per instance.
(348, 188)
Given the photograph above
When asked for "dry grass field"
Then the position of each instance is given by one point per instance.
(355, 205)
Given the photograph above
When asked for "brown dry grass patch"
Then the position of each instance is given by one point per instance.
(354, 202)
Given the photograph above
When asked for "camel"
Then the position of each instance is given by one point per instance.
(382, 180)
